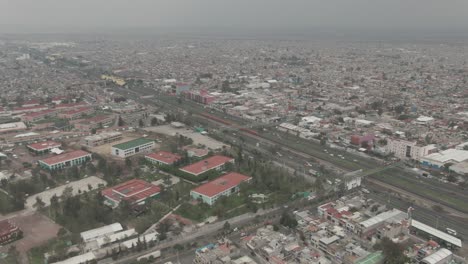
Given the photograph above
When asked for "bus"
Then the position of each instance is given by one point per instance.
(451, 231)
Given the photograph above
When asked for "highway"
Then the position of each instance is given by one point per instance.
(441, 220)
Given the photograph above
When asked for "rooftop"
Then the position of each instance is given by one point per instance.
(101, 231)
(165, 157)
(65, 157)
(133, 190)
(6, 227)
(438, 256)
(437, 233)
(456, 155)
(44, 145)
(221, 184)
(132, 143)
(206, 164)
(385, 216)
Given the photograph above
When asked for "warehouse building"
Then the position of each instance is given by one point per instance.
(212, 163)
(449, 156)
(132, 147)
(163, 158)
(43, 147)
(133, 191)
(222, 186)
(65, 160)
(102, 138)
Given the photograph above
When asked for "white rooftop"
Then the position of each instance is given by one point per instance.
(424, 119)
(78, 259)
(456, 155)
(101, 231)
(385, 216)
(438, 256)
(437, 233)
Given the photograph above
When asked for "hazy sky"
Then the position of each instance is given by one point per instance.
(237, 14)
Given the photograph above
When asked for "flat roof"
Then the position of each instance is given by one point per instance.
(438, 256)
(101, 231)
(133, 190)
(44, 145)
(437, 233)
(221, 184)
(12, 126)
(89, 256)
(65, 157)
(132, 143)
(165, 157)
(381, 218)
(456, 155)
(103, 135)
(206, 164)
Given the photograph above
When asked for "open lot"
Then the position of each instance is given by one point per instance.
(37, 230)
(78, 186)
(187, 132)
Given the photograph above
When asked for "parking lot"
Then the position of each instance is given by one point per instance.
(187, 132)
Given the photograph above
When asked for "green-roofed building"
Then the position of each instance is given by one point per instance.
(132, 147)
(373, 258)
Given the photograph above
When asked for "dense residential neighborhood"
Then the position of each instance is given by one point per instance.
(208, 150)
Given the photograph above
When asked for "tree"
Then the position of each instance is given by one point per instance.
(288, 220)
(451, 178)
(39, 205)
(154, 121)
(120, 122)
(226, 226)
(141, 123)
(128, 163)
(399, 109)
(392, 252)
(67, 192)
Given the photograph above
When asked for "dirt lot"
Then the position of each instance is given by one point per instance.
(195, 136)
(37, 230)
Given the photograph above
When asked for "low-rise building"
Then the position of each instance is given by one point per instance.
(65, 160)
(12, 127)
(102, 138)
(37, 116)
(223, 186)
(76, 113)
(132, 147)
(133, 191)
(43, 147)
(96, 122)
(212, 163)
(449, 156)
(9, 232)
(163, 158)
